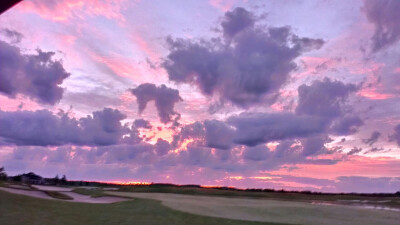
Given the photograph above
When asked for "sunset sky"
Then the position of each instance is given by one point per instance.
(299, 95)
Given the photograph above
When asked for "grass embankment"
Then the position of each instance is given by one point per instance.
(17, 209)
(289, 196)
(92, 192)
(58, 195)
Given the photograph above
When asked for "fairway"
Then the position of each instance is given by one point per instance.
(290, 212)
(18, 210)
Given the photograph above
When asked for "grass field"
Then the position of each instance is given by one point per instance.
(295, 196)
(17, 210)
(279, 211)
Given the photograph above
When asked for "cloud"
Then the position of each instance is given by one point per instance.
(396, 135)
(256, 153)
(374, 138)
(165, 99)
(323, 98)
(256, 128)
(236, 21)
(384, 14)
(346, 125)
(249, 68)
(368, 184)
(36, 76)
(142, 123)
(218, 134)
(14, 36)
(43, 128)
(162, 147)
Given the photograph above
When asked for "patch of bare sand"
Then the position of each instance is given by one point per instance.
(36, 194)
(76, 197)
(51, 188)
(267, 210)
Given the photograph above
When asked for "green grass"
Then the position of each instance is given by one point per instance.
(57, 195)
(18, 209)
(392, 201)
(93, 192)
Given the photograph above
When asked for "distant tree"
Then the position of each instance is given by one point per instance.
(63, 180)
(57, 179)
(3, 175)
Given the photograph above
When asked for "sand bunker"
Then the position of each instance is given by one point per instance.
(51, 188)
(76, 197)
(36, 194)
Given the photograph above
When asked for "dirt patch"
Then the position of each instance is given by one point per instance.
(266, 210)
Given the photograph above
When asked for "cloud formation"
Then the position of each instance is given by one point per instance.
(384, 14)
(36, 76)
(164, 97)
(251, 65)
(43, 128)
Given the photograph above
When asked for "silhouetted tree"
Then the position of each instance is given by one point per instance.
(64, 180)
(57, 179)
(3, 175)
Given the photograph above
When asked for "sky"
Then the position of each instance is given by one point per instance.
(295, 95)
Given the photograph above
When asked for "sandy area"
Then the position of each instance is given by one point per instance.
(270, 210)
(76, 197)
(87, 199)
(51, 188)
(36, 194)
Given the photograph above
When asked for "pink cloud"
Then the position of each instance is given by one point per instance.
(223, 5)
(62, 10)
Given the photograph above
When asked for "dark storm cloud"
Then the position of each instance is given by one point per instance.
(251, 66)
(14, 36)
(374, 138)
(165, 99)
(385, 16)
(36, 76)
(43, 128)
(253, 129)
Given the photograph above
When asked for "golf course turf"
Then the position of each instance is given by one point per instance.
(18, 209)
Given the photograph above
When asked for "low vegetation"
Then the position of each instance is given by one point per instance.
(92, 192)
(58, 195)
